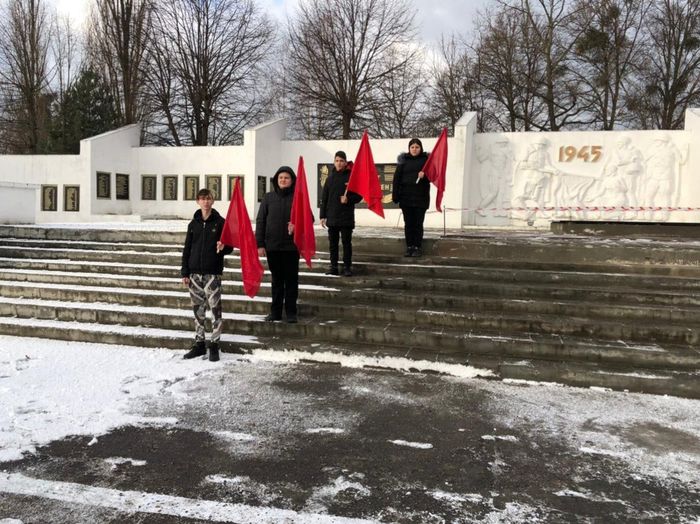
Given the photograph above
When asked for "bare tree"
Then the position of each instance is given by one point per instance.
(509, 66)
(455, 86)
(607, 52)
(24, 75)
(398, 111)
(551, 24)
(205, 69)
(117, 40)
(338, 56)
(669, 77)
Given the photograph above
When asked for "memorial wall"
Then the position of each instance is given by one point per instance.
(494, 179)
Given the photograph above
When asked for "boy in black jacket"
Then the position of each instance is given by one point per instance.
(338, 213)
(202, 267)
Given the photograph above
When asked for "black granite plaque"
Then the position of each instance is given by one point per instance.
(122, 186)
(104, 185)
(71, 198)
(191, 187)
(169, 187)
(232, 182)
(214, 185)
(49, 198)
(386, 179)
(148, 187)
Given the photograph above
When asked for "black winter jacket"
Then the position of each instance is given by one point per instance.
(273, 217)
(199, 254)
(405, 191)
(335, 213)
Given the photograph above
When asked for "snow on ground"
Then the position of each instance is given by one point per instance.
(51, 389)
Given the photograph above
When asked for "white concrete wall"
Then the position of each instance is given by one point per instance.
(494, 179)
(38, 170)
(18, 203)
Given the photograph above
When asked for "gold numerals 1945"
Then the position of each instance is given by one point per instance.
(585, 153)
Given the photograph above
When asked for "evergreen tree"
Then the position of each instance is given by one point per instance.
(87, 110)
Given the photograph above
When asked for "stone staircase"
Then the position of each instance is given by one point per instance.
(623, 314)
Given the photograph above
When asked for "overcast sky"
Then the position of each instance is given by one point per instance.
(433, 17)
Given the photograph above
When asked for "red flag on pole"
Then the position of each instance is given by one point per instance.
(239, 233)
(364, 179)
(436, 166)
(302, 217)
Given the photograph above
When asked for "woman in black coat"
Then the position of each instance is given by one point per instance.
(411, 190)
(275, 238)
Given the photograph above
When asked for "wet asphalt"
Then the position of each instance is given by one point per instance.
(373, 444)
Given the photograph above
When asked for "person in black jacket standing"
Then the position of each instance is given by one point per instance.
(202, 267)
(411, 190)
(338, 213)
(274, 235)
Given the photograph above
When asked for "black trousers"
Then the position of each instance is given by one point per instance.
(284, 267)
(413, 218)
(334, 235)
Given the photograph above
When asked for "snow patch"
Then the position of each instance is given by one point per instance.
(416, 445)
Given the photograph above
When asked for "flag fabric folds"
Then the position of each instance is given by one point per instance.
(364, 179)
(239, 233)
(302, 217)
(436, 166)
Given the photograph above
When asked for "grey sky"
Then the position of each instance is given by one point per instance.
(433, 17)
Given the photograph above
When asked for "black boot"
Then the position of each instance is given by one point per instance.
(213, 352)
(409, 251)
(347, 271)
(198, 349)
(417, 252)
(333, 270)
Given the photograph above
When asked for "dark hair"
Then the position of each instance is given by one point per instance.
(341, 154)
(415, 141)
(205, 193)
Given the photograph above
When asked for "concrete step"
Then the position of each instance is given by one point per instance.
(621, 314)
(347, 331)
(671, 323)
(492, 359)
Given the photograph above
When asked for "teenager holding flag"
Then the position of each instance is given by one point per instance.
(274, 234)
(411, 190)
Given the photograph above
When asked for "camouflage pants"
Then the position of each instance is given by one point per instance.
(205, 292)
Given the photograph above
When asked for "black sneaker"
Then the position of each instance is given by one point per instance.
(213, 352)
(347, 272)
(273, 318)
(292, 319)
(417, 252)
(333, 270)
(409, 251)
(198, 349)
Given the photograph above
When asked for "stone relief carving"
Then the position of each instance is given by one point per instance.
(661, 187)
(532, 184)
(627, 181)
(496, 164)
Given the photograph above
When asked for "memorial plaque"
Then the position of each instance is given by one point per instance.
(104, 185)
(214, 185)
(71, 198)
(232, 182)
(262, 187)
(169, 187)
(148, 187)
(49, 198)
(122, 186)
(386, 180)
(191, 187)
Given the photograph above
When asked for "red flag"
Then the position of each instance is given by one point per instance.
(302, 217)
(364, 179)
(436, 166)
(239, 233)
